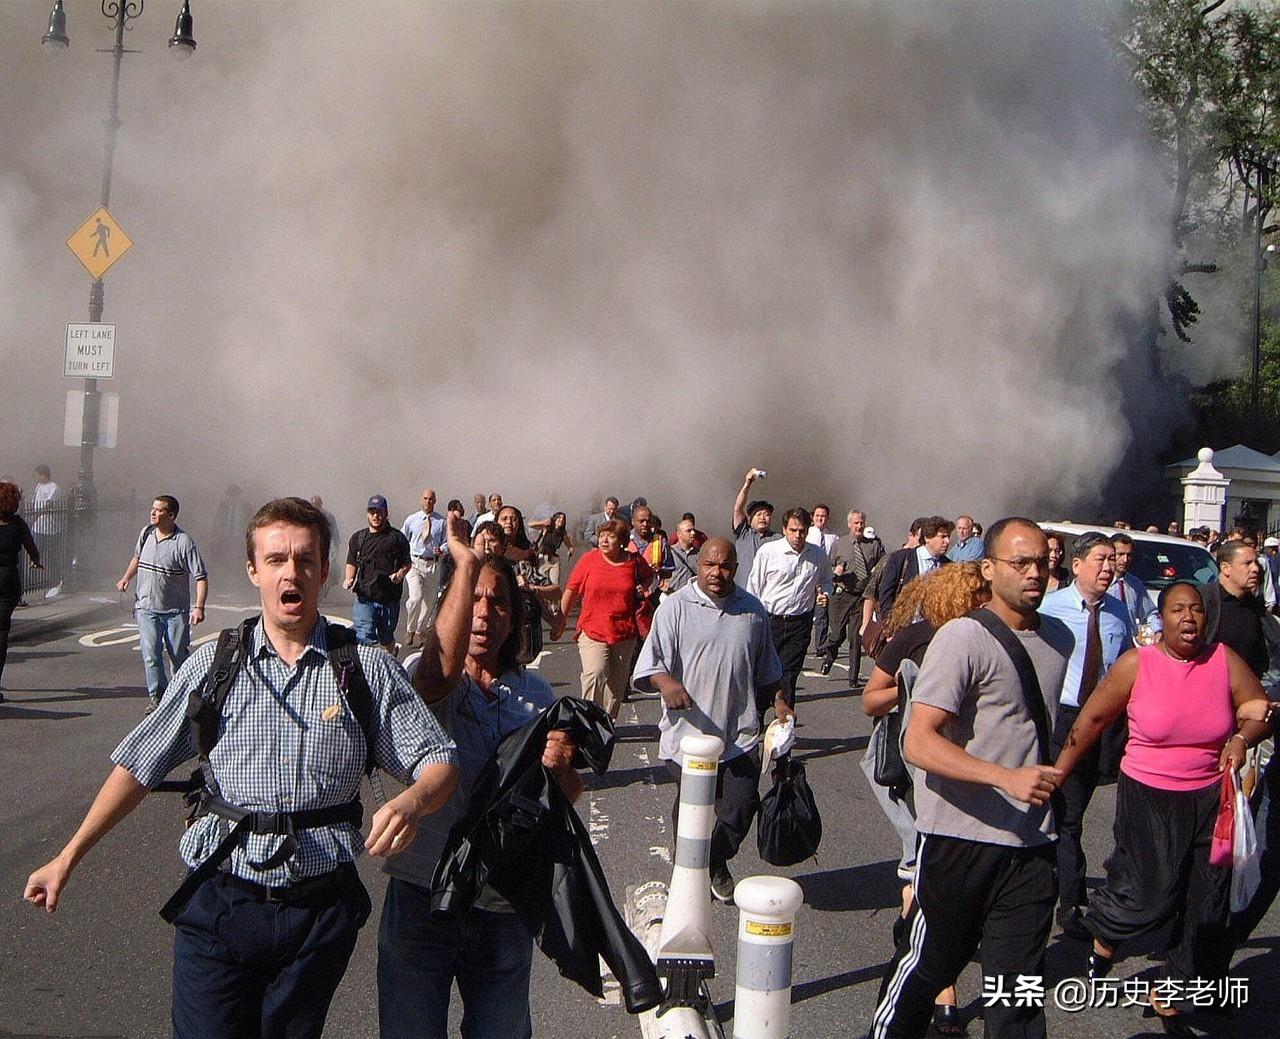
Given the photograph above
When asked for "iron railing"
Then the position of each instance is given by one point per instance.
(77, 546)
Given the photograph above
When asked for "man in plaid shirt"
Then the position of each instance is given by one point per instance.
(261, 945)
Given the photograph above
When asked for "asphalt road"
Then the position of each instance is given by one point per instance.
(100, 966)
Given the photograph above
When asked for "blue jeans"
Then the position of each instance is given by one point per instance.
(158, 633)
(488, 954)
(375, 622)
(245, 968)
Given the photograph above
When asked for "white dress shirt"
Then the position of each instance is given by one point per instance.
(823, 538)
(787, 581)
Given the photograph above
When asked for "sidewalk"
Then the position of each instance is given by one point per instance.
(46, 618)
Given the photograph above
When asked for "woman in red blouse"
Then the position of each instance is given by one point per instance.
(611, 585)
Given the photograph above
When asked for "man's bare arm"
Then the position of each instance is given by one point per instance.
(445, 648)
(927, 748)
(117, 797)
(740, 502)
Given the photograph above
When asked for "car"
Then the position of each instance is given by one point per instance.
(1158, 560)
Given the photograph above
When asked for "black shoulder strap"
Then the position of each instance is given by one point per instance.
(204, 706)
(345, 660)
(146, 533)
(1026, 676)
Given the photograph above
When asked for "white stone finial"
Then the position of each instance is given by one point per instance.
(1205, 454)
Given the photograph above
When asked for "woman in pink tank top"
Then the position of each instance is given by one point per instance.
(1181, 696)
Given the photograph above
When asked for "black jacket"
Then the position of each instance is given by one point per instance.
(522, 837)
(900, 568)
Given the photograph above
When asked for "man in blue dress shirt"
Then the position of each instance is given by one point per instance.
(1102, 631)
(1130, 589)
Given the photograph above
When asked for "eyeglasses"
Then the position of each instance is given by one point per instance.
(1023, 566)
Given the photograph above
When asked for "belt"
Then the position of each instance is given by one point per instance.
(298, 891)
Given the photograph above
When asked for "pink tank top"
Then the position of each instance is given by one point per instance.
(1180, 715)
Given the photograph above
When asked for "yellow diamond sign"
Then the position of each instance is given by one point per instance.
(99, 242)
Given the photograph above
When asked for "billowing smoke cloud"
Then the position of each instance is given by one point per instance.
(900, 255)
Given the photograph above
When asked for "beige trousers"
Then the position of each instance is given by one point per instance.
(605, 670)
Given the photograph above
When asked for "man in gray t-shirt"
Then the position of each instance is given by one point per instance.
(985, 867)
(709, 655)
(166, 562)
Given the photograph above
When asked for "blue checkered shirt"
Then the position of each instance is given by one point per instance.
(288, 742)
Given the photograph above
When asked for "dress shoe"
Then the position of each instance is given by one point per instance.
(825, 669)
(1072, 923)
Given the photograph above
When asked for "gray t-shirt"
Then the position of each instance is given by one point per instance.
(968, 674)
(720, 651)
(166, 568)
(745, 542)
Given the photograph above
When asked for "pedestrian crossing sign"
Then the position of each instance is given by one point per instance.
(99, 242)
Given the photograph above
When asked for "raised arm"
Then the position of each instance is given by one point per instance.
(740, 502)
(445, 649)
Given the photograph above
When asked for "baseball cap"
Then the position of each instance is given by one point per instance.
(377, 501)
(1271, 543)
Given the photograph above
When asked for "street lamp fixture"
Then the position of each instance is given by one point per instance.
(183, 44)
(119, 13)
(56, 38)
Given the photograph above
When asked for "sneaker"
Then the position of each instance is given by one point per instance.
(722, 884)
(152, 704)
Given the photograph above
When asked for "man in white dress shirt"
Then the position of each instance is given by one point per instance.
(825, 540)
(425, 530)
(790, 577)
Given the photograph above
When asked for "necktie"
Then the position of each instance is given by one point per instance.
(1120, 591)
(1092, 669)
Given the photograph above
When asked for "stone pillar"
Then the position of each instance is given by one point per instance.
(1204, 494)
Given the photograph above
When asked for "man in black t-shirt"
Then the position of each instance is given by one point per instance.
(377, 560)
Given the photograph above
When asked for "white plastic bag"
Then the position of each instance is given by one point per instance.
(1246, 872)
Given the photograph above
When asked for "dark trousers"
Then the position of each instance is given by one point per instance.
(737, 801)
(1159, 871)
(791, 640)
(1267, 824)
(488, 955)
(844, 612)
(1069, 806)
(966, 894)
(10, 595)
(820, 633)
(247, 969)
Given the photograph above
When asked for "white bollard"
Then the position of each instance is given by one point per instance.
(685, 957)
(766, 928)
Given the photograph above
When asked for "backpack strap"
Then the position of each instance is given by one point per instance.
(352, 682)
(1021, 660)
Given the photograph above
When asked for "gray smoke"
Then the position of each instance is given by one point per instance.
(898, 254)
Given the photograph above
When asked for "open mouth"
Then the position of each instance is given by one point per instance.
(291, 598)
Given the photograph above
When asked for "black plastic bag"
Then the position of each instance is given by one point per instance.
(788, 828)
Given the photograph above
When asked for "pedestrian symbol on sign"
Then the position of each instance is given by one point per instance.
(103, 232)
(99, 242)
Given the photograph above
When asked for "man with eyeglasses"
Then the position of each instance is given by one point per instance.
(985, 862)
(1102, 630)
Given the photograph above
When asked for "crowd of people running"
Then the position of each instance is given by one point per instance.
(1013, 669)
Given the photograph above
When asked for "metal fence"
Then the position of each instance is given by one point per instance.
(76, 547)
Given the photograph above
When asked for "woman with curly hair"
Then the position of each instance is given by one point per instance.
(14, 535)
(922, 607)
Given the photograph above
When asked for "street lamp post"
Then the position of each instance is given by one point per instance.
(182, 44)
(1264, 174)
